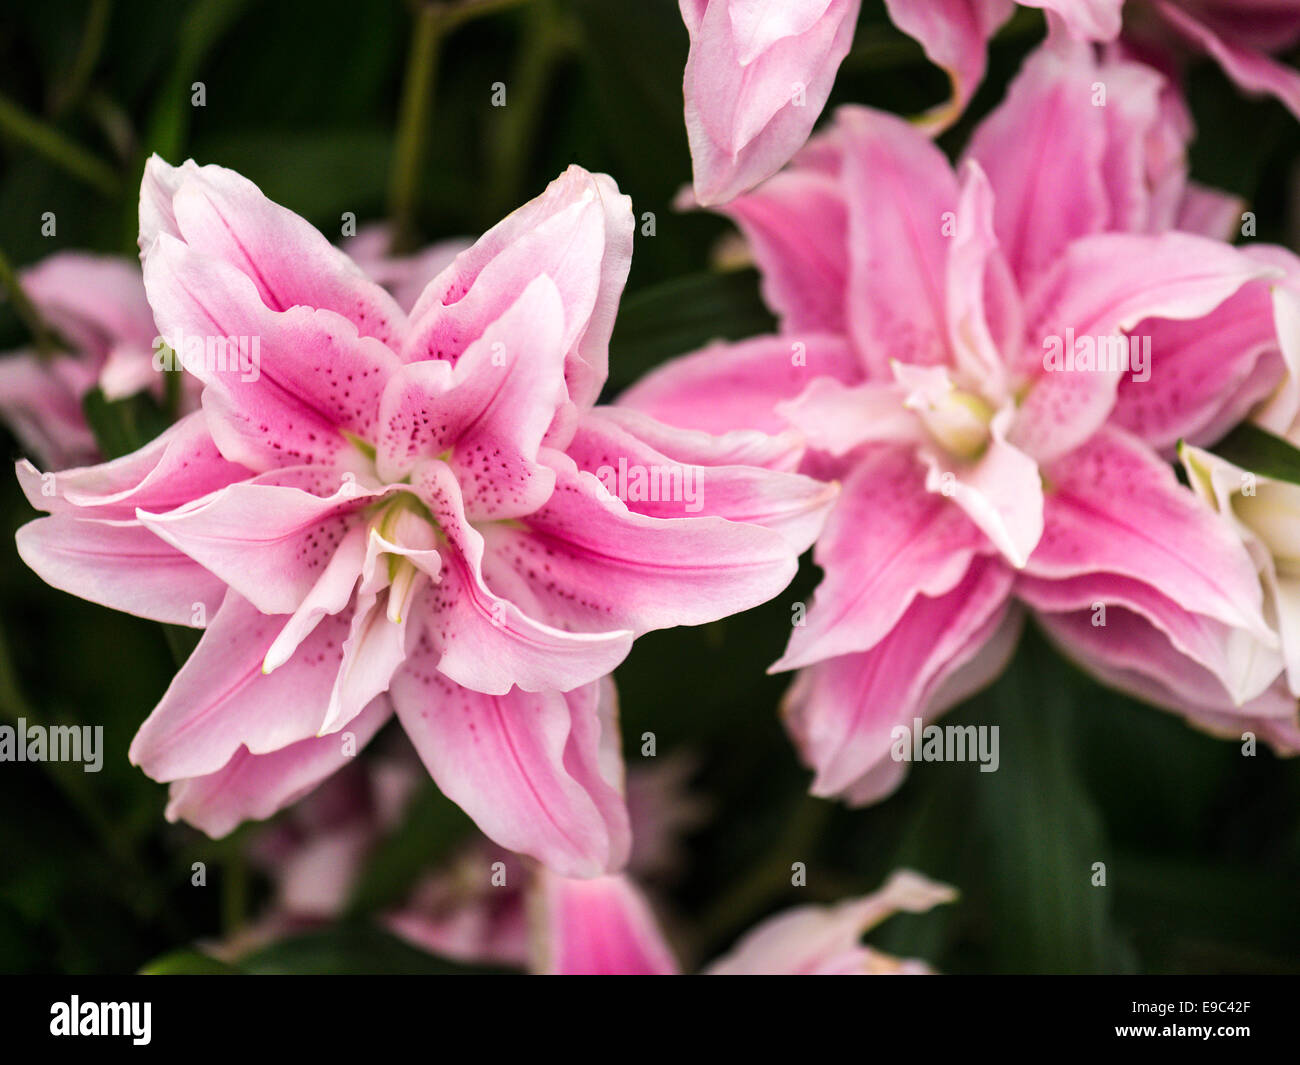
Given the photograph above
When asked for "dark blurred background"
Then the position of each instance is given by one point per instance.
(1201, 845)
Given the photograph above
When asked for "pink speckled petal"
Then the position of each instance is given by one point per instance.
(729, 386)
(223, 216)
(313, 378)
(253, 787)
(887, 541)
(221, 699)
(599, 927)
(592, 564)
(539, 773)
(487, 641)
(122, 565)
(841, 711)
(268, 538)
(490, 412)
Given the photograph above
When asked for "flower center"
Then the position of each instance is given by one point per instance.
(1273, 514)
(405, 522)
(957, 421)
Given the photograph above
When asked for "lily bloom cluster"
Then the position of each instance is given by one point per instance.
(924, 313)
(401, 513)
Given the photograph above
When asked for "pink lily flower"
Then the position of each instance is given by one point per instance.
(98, 306)
(1263, 510)
(1238, 34)
(757, 77)
(404, 276)
(410, 514)
(759, 72)
(920, 309)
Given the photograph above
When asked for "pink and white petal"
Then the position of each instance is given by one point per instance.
(44, 413)
(841, 712)
(977, 665)
(1131, 654)
(982, 305)
(579, 233)
(737, 447)
(660, 486)
(1205, 375)
(901, 192)
(313, 376)
(331, 594)
(1253, 71)
(373, 652)
(838, 418)
(96, 301)
(176, 467)
(268, 541)
(128, 370)
(1001, 492)
(955, 36)
(1114, 508)
(820, 940)
(1086, 20)
(253, 787)
(224, 216)
(1043, 149)
(492, 412)
(1209, 212)
(728, 386)
(486, 642)
(221, 699)
(1282, 411)
(887, 541)
(752, 99)
(158, 188)
(1102, 286)
(598, 927)
(120, 565)
(1240, 662)
(520, 764)
(595, 565)
(795, 224)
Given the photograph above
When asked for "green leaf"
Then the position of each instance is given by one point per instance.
(679, 316)
(1041, 829)
(351, 949)
(1259, 451)
(187, 963)
(123, 425)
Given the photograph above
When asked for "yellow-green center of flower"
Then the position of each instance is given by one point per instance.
(958, 421)
(404, 521)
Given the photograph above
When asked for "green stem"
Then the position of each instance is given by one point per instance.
(70, 781)
(234, 888)
(433, 21)
(467, 10)
(769, 879)
(58, 149)
(92, 43)
(545, 41)
(46, 339)
(413, 123)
